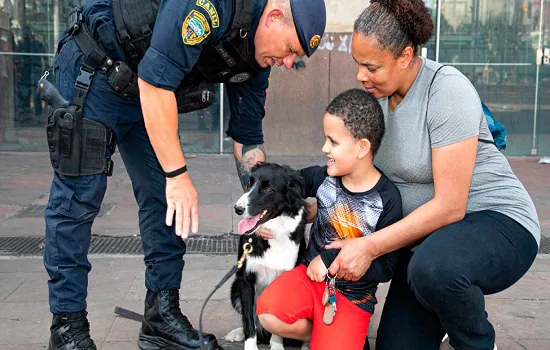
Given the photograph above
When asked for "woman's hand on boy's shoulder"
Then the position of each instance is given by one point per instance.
(317, 271)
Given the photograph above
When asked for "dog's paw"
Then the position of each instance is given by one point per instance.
(250, 344)
(235, 335)
(305, 346)
(276, 343)
(276, 346)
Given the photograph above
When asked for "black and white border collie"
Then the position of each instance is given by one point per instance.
(274, 200)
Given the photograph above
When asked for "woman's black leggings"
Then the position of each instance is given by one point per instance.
(440, 287)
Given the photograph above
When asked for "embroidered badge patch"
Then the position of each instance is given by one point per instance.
(195, 28)
(212, 12)
(314, 41)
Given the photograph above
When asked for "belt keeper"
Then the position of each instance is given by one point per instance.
(176, 172)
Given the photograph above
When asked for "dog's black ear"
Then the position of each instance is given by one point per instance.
(295, 185)
(257, 165)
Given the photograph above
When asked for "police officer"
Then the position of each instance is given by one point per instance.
(91, 69)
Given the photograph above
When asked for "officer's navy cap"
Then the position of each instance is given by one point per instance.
(310, 18)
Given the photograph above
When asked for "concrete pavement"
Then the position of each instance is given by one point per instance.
(521, 314)
(25, 179)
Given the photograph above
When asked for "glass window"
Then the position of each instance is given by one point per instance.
(494, 42)
(28, 33)
(29, 30)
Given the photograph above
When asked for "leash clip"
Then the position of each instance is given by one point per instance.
(247, 247)
(45, 75)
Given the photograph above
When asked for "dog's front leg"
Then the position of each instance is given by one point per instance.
(276, 343)
(247, 294)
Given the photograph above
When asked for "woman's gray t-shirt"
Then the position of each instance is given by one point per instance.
(454, 114)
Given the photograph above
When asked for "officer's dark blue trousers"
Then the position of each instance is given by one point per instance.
(75, 201)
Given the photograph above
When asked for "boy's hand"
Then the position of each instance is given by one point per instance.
(317, 271)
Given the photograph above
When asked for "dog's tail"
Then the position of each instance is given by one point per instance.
(236, 297)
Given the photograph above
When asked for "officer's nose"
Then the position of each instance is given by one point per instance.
(239, 210)
(289, 60)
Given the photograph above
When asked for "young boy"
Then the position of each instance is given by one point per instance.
(353, 200)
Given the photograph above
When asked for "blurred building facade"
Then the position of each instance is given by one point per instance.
(495, 43)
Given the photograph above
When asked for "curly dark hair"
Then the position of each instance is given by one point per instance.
(396, 24)
(361, 114)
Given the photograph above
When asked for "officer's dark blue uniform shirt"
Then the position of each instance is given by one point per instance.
(181, 30)
(175, 48)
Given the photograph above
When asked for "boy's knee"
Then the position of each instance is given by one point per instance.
(270, 322)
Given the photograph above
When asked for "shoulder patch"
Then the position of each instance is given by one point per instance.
(195, 28)
(211, 10)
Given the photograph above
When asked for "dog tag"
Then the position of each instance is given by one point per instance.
(329, 300)
(332, 300)
(325, 296)
(330, 312)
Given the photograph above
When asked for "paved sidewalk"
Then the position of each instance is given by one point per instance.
(25, 179)
(520, 315)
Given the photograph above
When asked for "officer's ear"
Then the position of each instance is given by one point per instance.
(274, 16)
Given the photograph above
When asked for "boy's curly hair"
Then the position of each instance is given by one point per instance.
(361, 114)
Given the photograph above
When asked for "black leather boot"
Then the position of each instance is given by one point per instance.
(71, 332)
(165, 327)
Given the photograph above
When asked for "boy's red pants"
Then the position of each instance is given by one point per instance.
(293, 295)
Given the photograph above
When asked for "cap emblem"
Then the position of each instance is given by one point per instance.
(314, 41)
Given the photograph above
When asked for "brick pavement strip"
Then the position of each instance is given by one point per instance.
(520, 314)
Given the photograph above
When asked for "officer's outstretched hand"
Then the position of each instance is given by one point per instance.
(182, 199)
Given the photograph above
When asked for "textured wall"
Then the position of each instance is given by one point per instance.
(297, 98)
(342, 14)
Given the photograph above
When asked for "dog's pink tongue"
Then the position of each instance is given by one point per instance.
(248, 224)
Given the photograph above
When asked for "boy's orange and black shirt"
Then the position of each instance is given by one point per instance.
(342, 214)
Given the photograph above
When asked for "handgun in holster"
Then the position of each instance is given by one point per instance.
(77, 146)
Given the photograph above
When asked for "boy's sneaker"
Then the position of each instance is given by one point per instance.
(446, 346)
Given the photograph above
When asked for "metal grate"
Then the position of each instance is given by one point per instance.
(21, 245)
(222, 244)
(37, 211)
(544, 245)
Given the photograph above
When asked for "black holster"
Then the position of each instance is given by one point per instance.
(195, 96)
(78, 146)
(123, 79)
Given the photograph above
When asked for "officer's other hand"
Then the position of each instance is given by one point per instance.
(182, 200)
